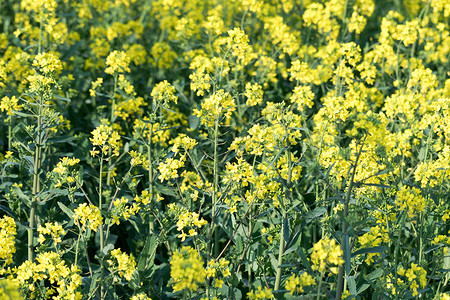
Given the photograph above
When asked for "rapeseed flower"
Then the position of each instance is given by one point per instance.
(186, 269)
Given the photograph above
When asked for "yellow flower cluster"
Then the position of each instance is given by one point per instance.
(105, 138)
(190, 220)
(120, 209)
(410, 199)
(49, 266)
(218, 270)
(302, 96)
(214, 106)
(9, 105)
(88, 215)
(295, 284)
(169, 168)
(62, 172)
(7, 244)
(122, 263)
(117, 62)
(192, 183)
(54, 230)
(254, 94)
(47, 63)
(260, 293)
(164, 93)
(9, 289)
(186, 269)
(184, 142)
(417, 277)
(138, 159)
(237, 43)
(140, 296)
(326, 253)
(377, 235)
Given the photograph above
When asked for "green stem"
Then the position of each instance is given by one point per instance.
(10, 133)
(111, 120)
(40, 32)
(36, 182)
(320, 286)
(216, 184)
(150, 162)
(397, 249)
(76, 249)
(345, 242)
(280, 254)
(214, 196)
(288, 194)
(100, 204)
(150, 171)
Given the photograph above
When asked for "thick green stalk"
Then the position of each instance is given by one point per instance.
(100, 204)
(288, 194)
(344, 244)
(111, 120)
(216, 185)
(150, 171)
(280, 254)
(149, 157)
(214, 196)
(37, 163)
(9, 133)
(320, 286)
(36, 182)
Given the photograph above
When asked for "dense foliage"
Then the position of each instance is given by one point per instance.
(194, 149)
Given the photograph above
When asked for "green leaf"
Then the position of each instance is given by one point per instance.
(21, 195)
(66, 210)
(18, 113)
(59, 97)
(347, 256)
(194, 121)
(351, 284)
(362, 288)
(378, 249)
(286, 230)
(107, 249)
(60, 139)
(165, 190)
(317, 212)
(374, 275)
(305, 260)
(147, 256)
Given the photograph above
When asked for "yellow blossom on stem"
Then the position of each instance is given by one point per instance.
(123, 263)
(186, 269)
(117, 62)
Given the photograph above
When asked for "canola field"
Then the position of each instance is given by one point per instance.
(238, 149)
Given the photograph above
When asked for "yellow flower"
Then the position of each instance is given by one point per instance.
(295, 284)
(123, 263)
(47, 63)
(187, 269)
(254, 94)
(105, 138)
(88, 215)
(117, 62)
(9, 105)
(213, 107)
(140, 296)
(260, 293)
(7, 234)
(326, 253)
(55, 230)
(191, 220)
(164, 93)
(9, 289)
